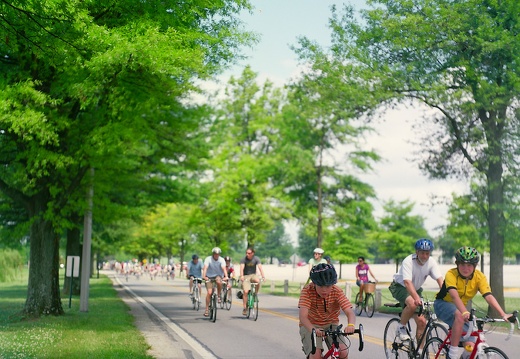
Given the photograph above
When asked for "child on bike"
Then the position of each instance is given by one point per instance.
(319, 308)
(460, 285)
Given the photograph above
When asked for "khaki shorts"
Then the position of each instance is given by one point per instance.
(400, 292)
(246, 284)
(209, 283)
(306, 338)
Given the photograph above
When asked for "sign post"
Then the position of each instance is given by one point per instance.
(72, 271)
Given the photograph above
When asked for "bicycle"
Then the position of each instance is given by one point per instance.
(334, 334)
(213, 301)
(438, 348)
(252, 302)
(395, 348)
(369, 303)
(226, 296)
(195, 293)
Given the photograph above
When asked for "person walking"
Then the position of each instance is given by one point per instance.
(248, 274)
(407, 283)
(214, 269)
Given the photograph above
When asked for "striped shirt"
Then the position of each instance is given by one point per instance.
(323, 311)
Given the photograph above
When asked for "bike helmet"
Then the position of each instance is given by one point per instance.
(318, 250)
(227, 259)
(216, 250)
(323, 274)
(194, 256)
(424, 244)
(467, 255)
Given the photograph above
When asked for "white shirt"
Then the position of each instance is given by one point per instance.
(413, 271)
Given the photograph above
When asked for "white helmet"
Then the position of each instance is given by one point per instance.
(216, 250)
(318, 250)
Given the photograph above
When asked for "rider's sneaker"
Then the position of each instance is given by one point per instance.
(402, 333)
(244, 311)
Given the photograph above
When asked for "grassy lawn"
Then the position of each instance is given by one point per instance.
(106, 331)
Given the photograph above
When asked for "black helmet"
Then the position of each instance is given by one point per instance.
(194, 256)
(323, 274)
(467, 255)
(227, 258)
(240, 295)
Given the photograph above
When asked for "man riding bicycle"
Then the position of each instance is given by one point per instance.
(194, 271)
(406, 286)
(214, 269)
(248, 266)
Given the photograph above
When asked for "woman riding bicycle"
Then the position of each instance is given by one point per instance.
(319, 308)
(460, 285)
(362, 271)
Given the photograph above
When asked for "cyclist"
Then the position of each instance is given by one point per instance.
(362, 271)
(231, 274)
(317, 258)
(248, 269)
(406, 286)
(214, 268)
(461, 285)
(194, 271)
(319, 307)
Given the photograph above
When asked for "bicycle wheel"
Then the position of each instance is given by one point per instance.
(370, 305)
(359, 305)
(394, 347)
(492, 353)
(432, 347)
(255, 307)
(228, 299)
(437, 330)
(196, 298)
(224, 291)
(214, 303)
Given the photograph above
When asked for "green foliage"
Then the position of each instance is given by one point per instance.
(277, 245)
(11, 264)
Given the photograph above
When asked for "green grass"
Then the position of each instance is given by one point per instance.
(105, 331)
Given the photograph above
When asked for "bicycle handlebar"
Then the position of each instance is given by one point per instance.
(338, 332)
(474, 321)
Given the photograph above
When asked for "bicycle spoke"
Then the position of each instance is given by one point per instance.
(370, 305)
(431, 349)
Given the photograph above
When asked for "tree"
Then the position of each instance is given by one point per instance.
(98, 85)
(323, 147)
(399, 230)
(459, 59)
(277, 245)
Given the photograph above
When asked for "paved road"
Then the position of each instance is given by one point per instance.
(174, 330)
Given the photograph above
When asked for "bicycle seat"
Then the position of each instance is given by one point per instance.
(393, 305)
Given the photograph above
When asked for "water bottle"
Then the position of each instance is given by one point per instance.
(468, 348)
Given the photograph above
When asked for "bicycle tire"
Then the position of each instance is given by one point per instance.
(222, 298)
(370, 305)
(436, 330)
(394, 348)
(228, 299)
(432, 347)
(255, 307)
(214, 302)
(359, 305)
(197, 298)
(497, 353)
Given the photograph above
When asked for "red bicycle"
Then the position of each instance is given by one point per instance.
(436, 348)
(334, 335)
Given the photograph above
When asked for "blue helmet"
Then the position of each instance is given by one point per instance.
(424, 244)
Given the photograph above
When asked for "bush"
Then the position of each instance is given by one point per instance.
(11, 263)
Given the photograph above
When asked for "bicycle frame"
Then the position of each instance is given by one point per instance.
(480, 345)
(334, 334)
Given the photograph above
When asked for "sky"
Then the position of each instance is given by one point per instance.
(279, 23)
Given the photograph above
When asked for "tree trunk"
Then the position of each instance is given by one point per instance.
(496, 235)
(43, 292)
